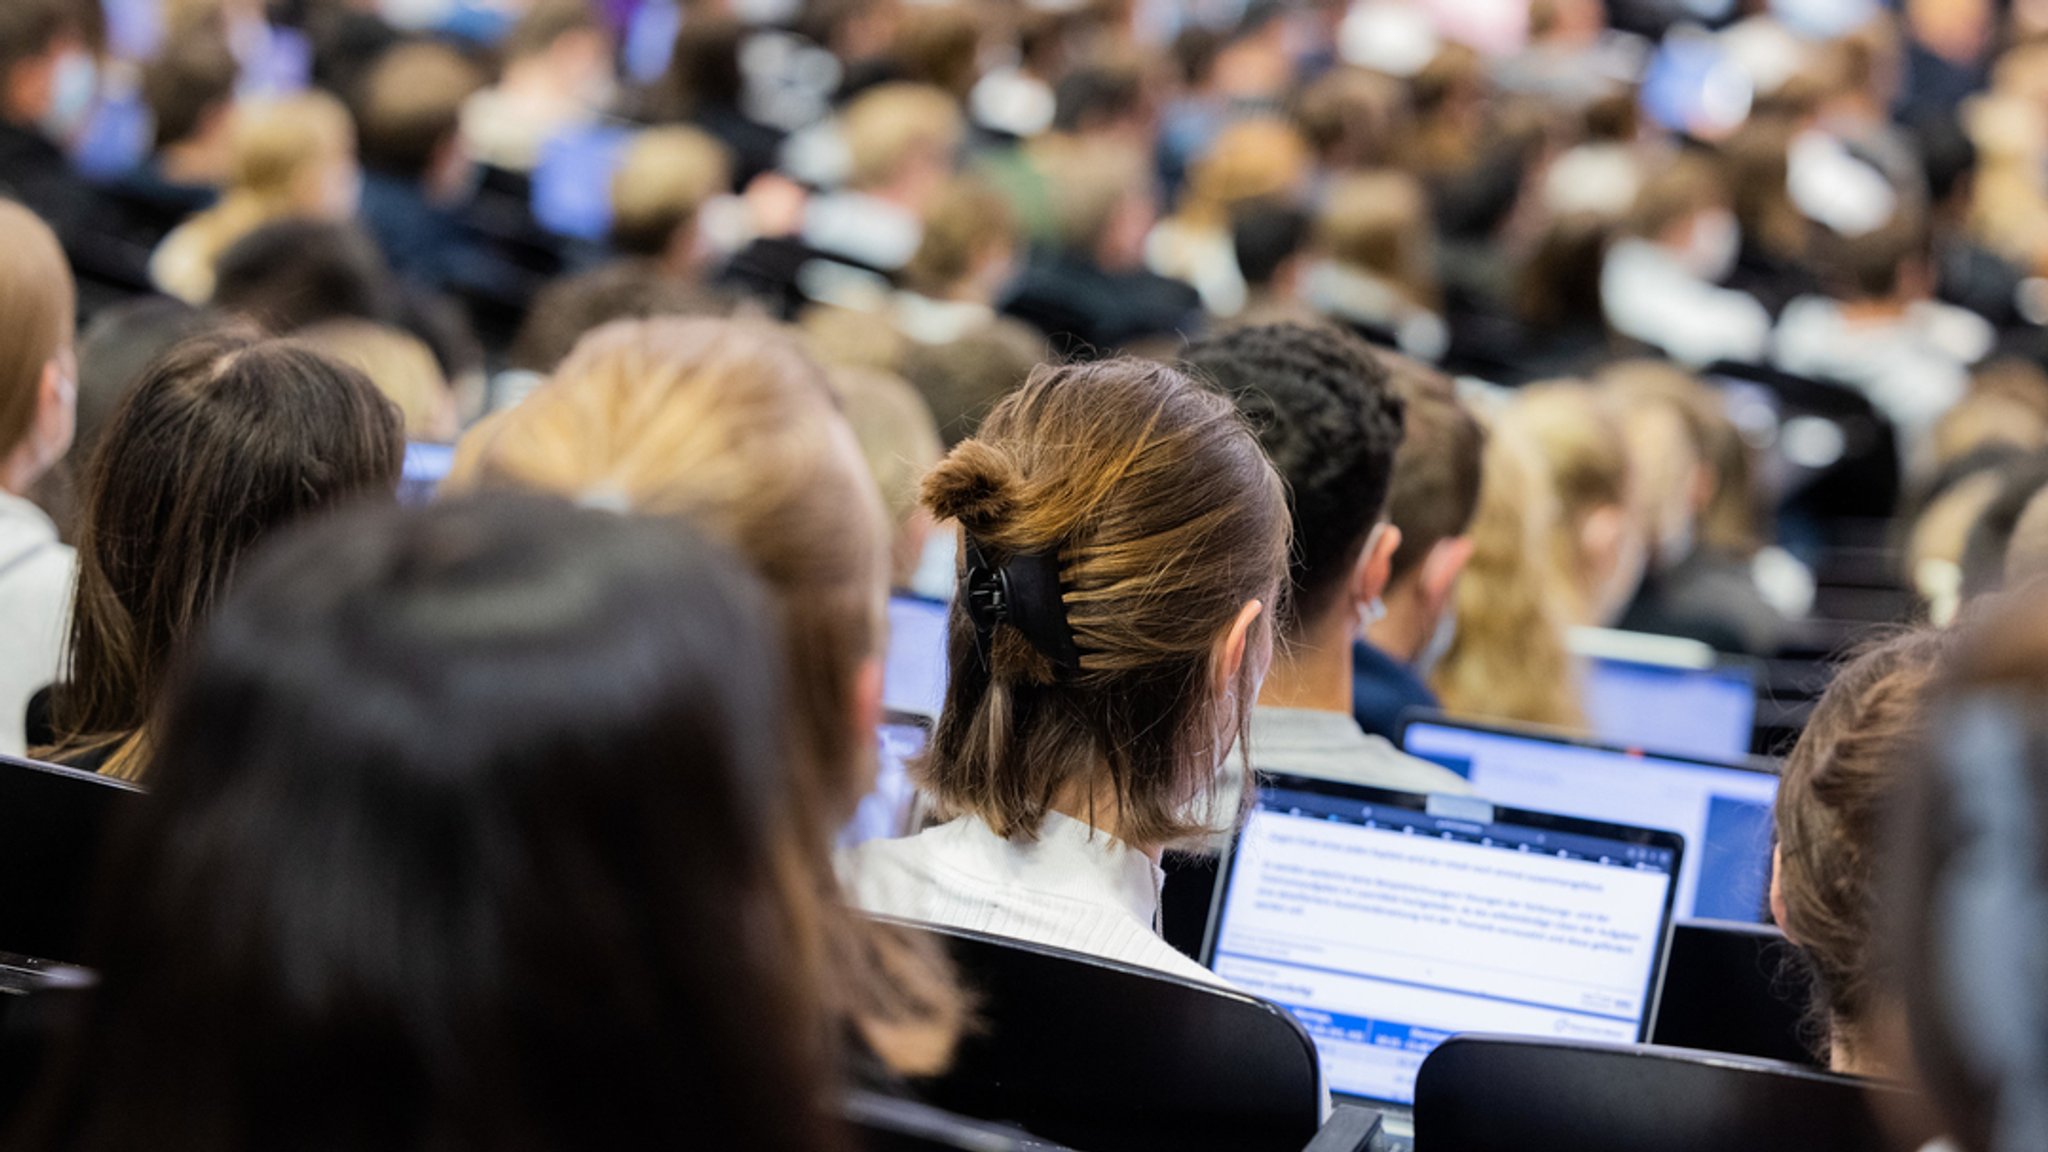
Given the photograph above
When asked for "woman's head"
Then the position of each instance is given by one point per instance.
(38, 372)
(1836, 786)
(1507, 658)
(1159, 532)
(296, 156)
(732, 424)
(463, 832)
(1251, 160)
(227, 439)
(1598, 540)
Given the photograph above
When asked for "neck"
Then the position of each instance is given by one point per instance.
(1314, 670)
(1099, 812)
(19, 469)
(200, 161)
(1404, 630)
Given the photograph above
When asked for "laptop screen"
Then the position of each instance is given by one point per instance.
(914, 673)
(426, 465)
(1388, 922)
(1687, 711)
(1723, 810)
(885, 813)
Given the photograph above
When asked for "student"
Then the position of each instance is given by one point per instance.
(227, 439)
(731, 423)
(1124, 539)
(420, 868)
(1599, 543)
(665, 179)
(558, 76)
(1326, 411)
(1507, 658)
(964, 263)
(47, 87)
(1249, 160)
(294, 158)
(1660, 283)
(38, 407)
(1836, 787)
(1431, 502)
(190, 90)
(415, 173)
(1378, 271)
(1963, 905)
(402, 368)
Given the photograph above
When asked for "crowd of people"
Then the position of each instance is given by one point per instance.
(1248, 376)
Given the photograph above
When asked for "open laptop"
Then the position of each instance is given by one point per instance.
(1723, 808)
(914, 672)
(1665, 694)
(889, 810)
(1389, 921)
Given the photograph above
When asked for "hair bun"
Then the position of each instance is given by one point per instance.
(976, 484)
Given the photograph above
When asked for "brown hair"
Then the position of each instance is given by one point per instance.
(195, 75)
(1380, 223)
(732, 424)
(965, 220)
(900, 442)
(964, 378)
(37, 303)
(1690, 184)
(411, 106)
(1831, 801)
(1435, 491)
(1585, 459)
(228, 438)
(1166, 518)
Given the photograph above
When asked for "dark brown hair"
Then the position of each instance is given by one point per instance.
(1831, 801)
(226, 439)
(1166, 518)
(1435, 490)
(196, 74)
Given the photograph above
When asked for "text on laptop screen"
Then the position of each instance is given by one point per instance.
(914, 672)
(1386, 930)
(1707, 712)
(1724, 812)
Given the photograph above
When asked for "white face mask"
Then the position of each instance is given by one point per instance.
(1715, 245)
(1439, 644)
(74, 87)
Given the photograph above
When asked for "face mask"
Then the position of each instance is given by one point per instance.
(74, 86)
(1716, 244)
(1370, 613)
(937, 567)
(1439, 644)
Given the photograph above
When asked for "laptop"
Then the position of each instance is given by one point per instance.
(890, 809)
(52, 823)
(1723, 808)
(1665, 694)
(1387, 922)
(914, 672)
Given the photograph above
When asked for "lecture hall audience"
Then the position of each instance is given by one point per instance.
(1249, 377)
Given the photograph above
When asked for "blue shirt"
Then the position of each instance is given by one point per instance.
(1382, 689)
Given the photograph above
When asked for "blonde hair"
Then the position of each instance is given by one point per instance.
(1164, 518)
(277, 147)
(730, 423)
(401, 366)
(889, 125)
(37, 303)
(1584, 455)
(1250, 160)
(1508, 659)
(667, 175)
(900, 441)
(1379, 222)
(1088, 181)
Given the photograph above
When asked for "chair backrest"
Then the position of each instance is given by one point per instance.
(1734, 988)
(1112, 1058)
(52, 821)
(1510, 1094)
(889, 1124)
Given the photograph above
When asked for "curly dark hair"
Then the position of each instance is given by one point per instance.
(1325, 409)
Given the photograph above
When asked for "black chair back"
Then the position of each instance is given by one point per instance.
(888, 1124)
(1734, 988)
(1112, 1058)
(1512, 1094)
(52, 821)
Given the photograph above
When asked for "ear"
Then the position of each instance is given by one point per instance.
(1438, 577)
(1600, 536)
(1236, 643)
(1375, 564)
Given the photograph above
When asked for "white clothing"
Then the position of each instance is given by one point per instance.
(1206, 259)
(1912, 369)
(36, 573)
(1075, 887)
(1650, 296)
